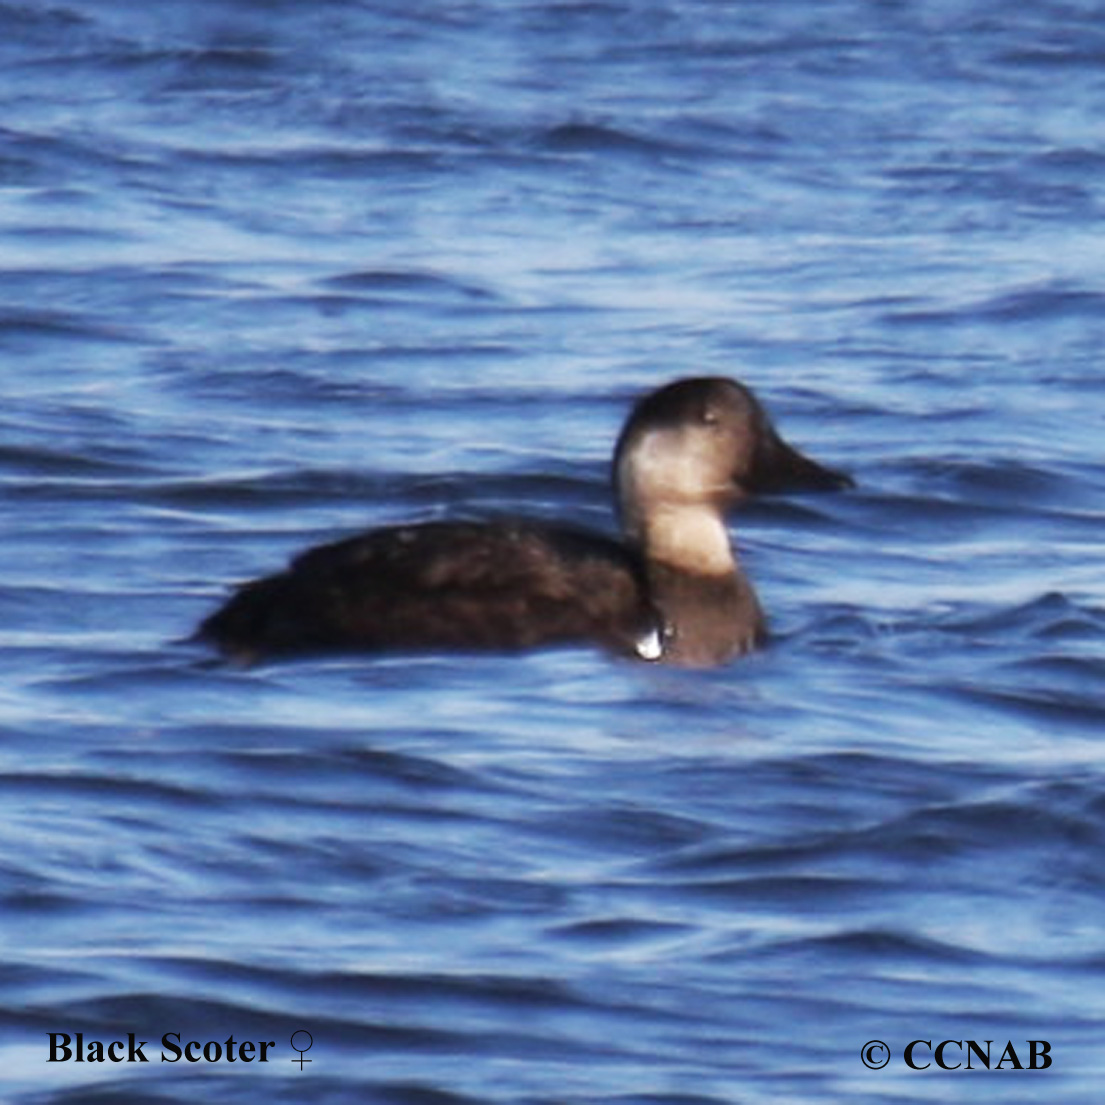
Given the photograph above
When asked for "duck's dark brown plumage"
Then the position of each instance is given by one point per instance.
(671, 591)
(443, 585)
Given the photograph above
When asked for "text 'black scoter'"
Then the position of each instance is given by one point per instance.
(670, 591)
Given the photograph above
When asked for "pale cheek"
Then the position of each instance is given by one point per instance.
(680, 468)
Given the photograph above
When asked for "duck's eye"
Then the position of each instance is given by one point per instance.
(710, 417)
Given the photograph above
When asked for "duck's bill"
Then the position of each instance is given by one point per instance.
(779, 467)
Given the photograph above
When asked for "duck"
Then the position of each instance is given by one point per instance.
(669, 590)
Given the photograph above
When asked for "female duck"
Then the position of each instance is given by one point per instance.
(670, 591)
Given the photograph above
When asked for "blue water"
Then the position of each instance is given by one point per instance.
(271, 272)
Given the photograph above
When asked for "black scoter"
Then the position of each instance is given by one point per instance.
(671, 590)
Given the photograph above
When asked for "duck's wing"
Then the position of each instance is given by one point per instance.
(506, 585)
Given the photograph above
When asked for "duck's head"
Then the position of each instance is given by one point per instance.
(704, 444)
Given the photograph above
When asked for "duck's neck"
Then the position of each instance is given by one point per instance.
(708, 610)
(687, 539)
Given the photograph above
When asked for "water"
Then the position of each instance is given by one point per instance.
(272, 272)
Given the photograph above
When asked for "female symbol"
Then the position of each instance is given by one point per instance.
(305, 1047)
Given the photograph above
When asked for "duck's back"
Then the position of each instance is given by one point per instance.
(505, 585)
